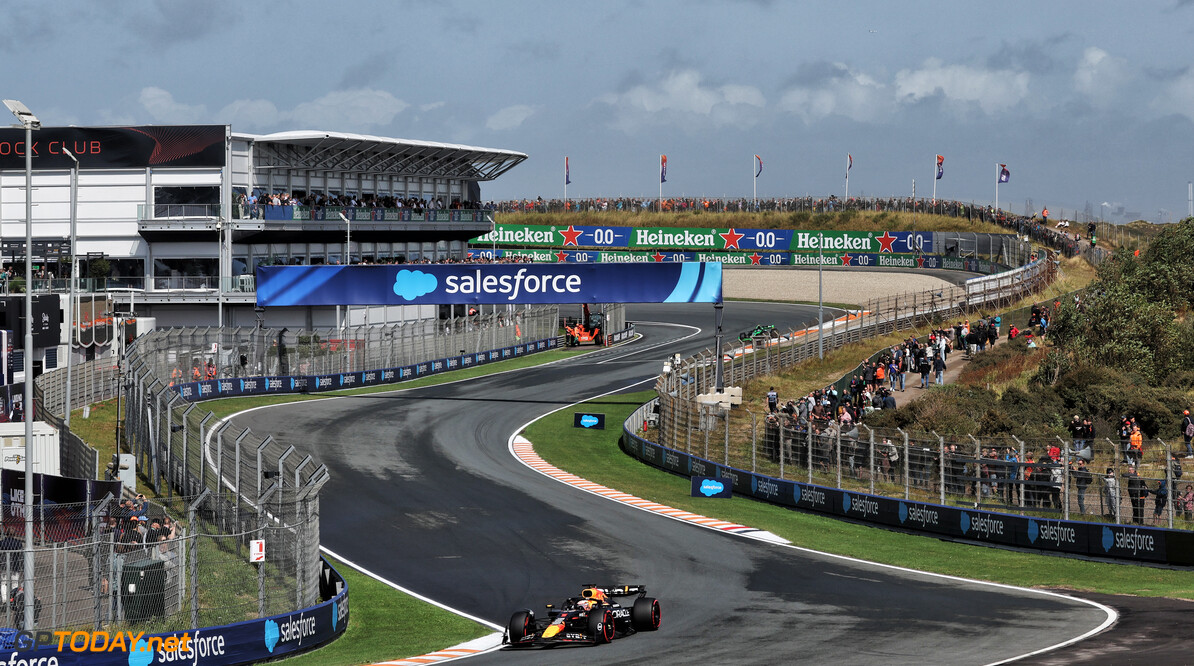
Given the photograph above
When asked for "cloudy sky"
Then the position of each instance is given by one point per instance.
(1087, 102)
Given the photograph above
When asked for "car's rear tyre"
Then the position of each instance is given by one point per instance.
(645, 615)
(522, 624)
(601, 626)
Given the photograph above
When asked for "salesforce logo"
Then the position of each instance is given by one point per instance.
(1108, 538)
(709, 487)
(413, 284)
(965, 522)
(588, 420)
(271, 635)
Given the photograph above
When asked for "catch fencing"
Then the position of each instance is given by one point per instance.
(221, 485)
(192, 354)
(682, 411)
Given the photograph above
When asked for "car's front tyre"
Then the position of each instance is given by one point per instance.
(522, 624)
(601, 626)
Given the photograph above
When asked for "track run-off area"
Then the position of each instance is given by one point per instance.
(432, 491)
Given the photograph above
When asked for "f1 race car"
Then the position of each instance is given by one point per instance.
(759, 331)
(592, 618)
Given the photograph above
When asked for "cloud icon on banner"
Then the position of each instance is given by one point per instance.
(588, 420)
(140, 654)
(1108, 538)
(413, 284)
(271, 635)
(709, 487)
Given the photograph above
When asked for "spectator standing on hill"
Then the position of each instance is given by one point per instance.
(772, 401)
(1186, 502)
(1137, 491)
(1082, 479)
(1187, 428)
(923, 365)
(1160, 499)
(939, 369)
(1136, 445)
(1111, 494)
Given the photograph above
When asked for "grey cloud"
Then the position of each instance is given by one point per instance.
(367, 72)
(168, 22)
(810, 74)
(536, 51)
(1033, 56)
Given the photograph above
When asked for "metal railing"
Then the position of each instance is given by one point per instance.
(190, 354)
(101, 568)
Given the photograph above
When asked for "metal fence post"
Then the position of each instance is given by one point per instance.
(871, 472)
(236, 494)
(907, 467)
(1020, 472)
(941, 458)
(727, 451)
(261, 500)
(202, 440)
(193, 561)
(837, 439)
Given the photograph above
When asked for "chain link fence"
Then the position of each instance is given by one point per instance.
(219, 485)
(682, 410)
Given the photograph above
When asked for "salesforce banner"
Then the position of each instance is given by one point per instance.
(1092, 539)
(444, 284)
(241, 643)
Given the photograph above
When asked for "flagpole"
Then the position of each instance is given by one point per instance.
(565, 183)
(755, 182)
(847, 176)
(661, 183)
(934, 179)
(997, 174)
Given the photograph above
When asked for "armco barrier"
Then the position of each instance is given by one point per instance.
(227, 645)
(1114, 541)
(225, 388)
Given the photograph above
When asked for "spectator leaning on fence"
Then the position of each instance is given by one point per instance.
(1187, 428)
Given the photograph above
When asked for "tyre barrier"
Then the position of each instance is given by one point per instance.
(1100, 540)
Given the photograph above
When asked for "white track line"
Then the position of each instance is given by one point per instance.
(520, 447)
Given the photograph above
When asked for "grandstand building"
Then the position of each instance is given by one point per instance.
(173, 220)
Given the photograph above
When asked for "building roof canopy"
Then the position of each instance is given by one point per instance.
(339, 151)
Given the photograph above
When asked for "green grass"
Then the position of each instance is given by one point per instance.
(386, 624)
(594, 455)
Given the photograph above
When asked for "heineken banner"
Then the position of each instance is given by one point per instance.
(707, 239)
(837, 259)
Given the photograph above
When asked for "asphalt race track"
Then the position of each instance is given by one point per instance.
(425, 493)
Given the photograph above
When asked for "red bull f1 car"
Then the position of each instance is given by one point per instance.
(593, 618)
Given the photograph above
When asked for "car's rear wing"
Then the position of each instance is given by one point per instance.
(622, 590)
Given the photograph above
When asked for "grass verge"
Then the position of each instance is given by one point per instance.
(386, 624)
(594, 455)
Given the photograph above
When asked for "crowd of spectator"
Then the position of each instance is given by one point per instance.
(252, 204)
(132, 531)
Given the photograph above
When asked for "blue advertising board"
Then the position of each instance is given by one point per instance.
(240, 643)
(1100, 540)
(445, 284)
